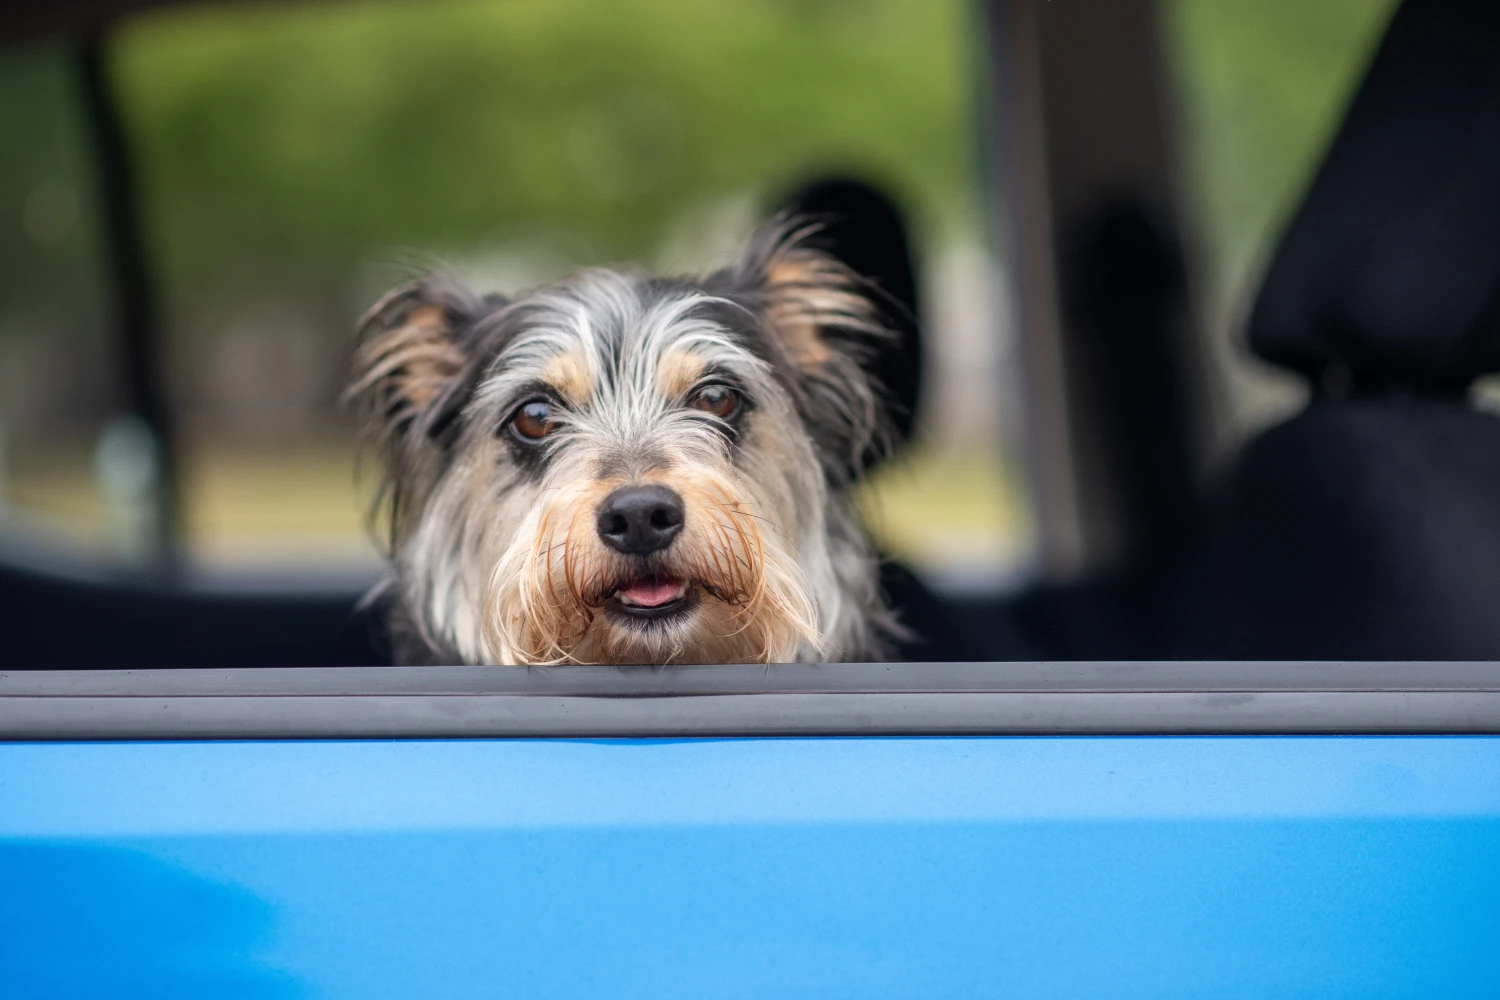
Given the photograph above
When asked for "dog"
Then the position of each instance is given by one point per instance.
(615, 468)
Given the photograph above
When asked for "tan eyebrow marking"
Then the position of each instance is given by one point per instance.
(678, 370)
(568, 374)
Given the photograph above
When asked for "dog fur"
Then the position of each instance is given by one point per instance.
(494, 547)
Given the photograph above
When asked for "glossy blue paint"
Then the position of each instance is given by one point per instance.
(1139, 867)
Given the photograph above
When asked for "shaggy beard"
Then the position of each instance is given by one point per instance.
(545, 598)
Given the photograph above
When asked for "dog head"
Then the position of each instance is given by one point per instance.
(618, 469)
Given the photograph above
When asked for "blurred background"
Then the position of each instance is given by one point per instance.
(296, 159)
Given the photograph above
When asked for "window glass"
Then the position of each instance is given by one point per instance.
(299, 159)
(1262, 85)
(56, 390)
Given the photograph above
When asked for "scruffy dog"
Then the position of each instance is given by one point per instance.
(622, 469)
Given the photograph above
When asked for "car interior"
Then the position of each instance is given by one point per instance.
(1365, 527)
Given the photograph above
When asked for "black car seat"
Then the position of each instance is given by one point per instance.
(1368, 525)
(81, 618)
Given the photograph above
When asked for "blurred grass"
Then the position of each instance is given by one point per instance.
(954, 510)
(244, 503)
(290, 504)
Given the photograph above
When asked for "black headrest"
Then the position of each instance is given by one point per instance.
(1389, 275)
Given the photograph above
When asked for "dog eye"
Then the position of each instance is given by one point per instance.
(720, 400)
(533, 421)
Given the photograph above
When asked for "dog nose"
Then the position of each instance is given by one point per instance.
(639, 520)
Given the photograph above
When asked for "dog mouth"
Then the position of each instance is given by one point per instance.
(652, 598)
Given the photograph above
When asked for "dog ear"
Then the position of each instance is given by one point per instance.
(410, 361)
(814, 306)
(821, 324)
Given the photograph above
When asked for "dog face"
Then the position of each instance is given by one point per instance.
(616, 469)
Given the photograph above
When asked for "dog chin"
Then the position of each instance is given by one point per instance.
(673, 621)
(657, 621)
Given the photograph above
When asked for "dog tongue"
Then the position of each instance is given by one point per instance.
(651, 593)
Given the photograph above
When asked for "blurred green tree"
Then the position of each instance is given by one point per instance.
(282, 144)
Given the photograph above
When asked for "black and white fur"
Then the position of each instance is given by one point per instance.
(494, 553)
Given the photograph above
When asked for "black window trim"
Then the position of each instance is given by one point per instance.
(905, 699)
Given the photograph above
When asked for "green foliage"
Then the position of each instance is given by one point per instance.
(284, 143)
(48, 260)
